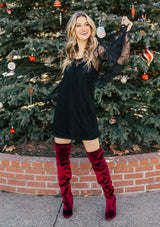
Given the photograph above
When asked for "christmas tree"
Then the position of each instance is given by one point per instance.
(32, 41)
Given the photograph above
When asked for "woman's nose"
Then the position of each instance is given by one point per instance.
(83, 27)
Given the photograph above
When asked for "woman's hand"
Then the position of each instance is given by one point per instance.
(127, 23)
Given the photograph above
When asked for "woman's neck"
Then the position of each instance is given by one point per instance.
(81, 48)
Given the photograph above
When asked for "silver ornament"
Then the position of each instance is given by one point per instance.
(123, 79)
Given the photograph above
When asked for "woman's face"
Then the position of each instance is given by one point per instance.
(82, 28)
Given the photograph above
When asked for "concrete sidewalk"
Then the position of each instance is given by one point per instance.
(138, 210)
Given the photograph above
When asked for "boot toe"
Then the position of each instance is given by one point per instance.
(67, 213)
(110, 215)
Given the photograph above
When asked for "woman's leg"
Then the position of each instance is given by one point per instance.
(91, 145)
(62, 141)
(100, 167)
(63, 151)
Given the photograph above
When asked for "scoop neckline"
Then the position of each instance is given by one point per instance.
(79, 58)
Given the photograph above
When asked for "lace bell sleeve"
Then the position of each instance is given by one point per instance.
(115, 51)
(53, 96)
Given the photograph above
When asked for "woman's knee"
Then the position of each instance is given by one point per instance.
(91, 145)
(62, 141)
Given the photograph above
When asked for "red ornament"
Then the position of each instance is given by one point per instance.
(144, 76)
(12, 130)
(132, 11)
(3, 5)
(148, 55)
(54, 36)
(32, 58)
(9, 11)
(57, 4)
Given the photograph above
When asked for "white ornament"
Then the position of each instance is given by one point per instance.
(123, 79)
(11, 65)
(101, 32)
(1, 105)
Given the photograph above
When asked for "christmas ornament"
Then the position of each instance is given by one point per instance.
(11, 66)
(60, 18)
(148, 55)
(144, 76)
(31, 90)
(54, 36)
(112, 121)
(3, 5)
(1, 105)
(60, 55)
(132, 11)
(9, 11)
(31, 93)
(57, 4)
(142, 32)
(142, 18)
(153, 26)
(12, 130)
(32, 58)
(101, 32)
(123, 79)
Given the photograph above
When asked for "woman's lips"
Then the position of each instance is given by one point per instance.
(83, 33)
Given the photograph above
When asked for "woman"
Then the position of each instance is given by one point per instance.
(75, 116)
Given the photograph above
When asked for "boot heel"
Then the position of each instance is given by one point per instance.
(68, 207)
(110, 209)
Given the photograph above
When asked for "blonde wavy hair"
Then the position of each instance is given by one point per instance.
(72, 44)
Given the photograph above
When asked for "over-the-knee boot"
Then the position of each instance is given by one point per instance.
(101, 170)
(63, 152)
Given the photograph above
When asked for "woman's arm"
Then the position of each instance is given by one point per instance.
(125, 52)
(53, 96)
(115, 50)
(124, 57)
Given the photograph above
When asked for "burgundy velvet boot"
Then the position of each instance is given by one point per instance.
(63, 152)
(101, 170)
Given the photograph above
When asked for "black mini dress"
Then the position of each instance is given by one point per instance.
(75, 113)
